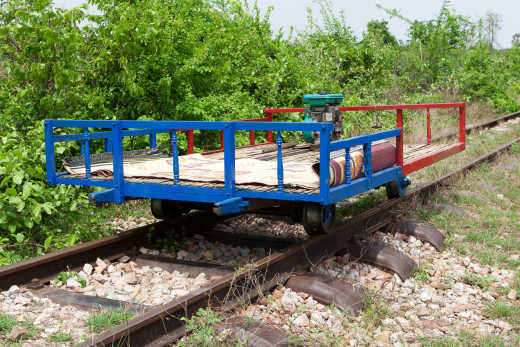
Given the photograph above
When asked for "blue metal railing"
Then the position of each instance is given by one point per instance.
(119, 188)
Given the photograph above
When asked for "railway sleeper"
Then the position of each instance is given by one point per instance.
(381, 254)
(339, 293)
(420, 231)
(252, 333)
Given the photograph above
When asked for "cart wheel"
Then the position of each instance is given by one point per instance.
(165, 209)
(318, 219)
(397, 188)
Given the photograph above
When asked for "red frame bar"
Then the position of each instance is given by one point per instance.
(399, 143)
(419, 163)
(416, 163)
(428, 127)
(252, 140)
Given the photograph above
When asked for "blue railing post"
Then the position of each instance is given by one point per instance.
(153, 140)
(229, 159)
(347, 165)
(279, 142)
(367, 161)
(117, 155)
(175, 157)
(49, 153)
(108, 145)
(324, 164)
(86, 154)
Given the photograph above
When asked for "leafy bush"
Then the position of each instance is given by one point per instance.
(30, 208)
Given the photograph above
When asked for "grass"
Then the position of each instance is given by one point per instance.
(421, 274)
(479, 281)
(60, 337)
(64, 276)
(493, 235)
(202, 329)
(501, 310)
(105, 320)
(465, 339)
(7, 322)
(376, 309)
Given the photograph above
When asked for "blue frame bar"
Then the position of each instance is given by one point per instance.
(347, 165)
(229, 159)
(175, 158)
(117, 156)
(86, 154)
(324, 169)
(153, 140)
(279, 161)
(50, 160)
(229, 198)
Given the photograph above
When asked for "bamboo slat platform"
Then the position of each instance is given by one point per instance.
(298, 153)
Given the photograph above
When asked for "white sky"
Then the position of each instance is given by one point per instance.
(289, 13)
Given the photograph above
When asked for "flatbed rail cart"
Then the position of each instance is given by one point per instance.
(314, 206)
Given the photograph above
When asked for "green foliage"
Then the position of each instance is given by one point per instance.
(60, 337)
(64, 276)
(375, 311)
(510, 313)
(516, 40)
(476, 280)
(7, 322)
(29, 206)
(421, 275)
(201, 327)
(101, 321)
(173, 241)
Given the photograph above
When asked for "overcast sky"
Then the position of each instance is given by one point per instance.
(289, 13)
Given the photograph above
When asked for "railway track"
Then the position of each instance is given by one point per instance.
(161, 324)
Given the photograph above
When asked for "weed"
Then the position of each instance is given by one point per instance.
(201, 327)
(463, 339)
(476, 280)
(173, 241)
(105, 320)
(375, 311)
(64, 276)
(60, 337)
(421, 274)
(503, 311)
(294, 340)
(6, 323)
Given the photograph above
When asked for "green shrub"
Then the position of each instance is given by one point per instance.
(30, 209)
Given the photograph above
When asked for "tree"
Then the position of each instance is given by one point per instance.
(492, 27)
(379, 29)
(516, 40)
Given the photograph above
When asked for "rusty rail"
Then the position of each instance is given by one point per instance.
(162, 325)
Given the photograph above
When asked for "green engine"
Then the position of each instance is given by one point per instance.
(323, 107)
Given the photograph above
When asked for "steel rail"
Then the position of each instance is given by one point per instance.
(479, 126)
(163, 325)
(45, 267)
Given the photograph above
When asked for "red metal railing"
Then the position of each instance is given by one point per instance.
(416, 163)
(409, 166)
(252, 139)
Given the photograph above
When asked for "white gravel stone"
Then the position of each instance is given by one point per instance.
(301, 321)
(426, 295)
(73, 283)
(87, 268)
